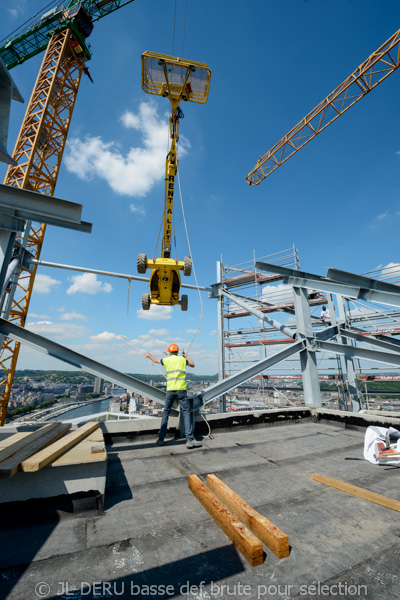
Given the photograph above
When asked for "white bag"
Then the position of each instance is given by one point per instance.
(378, 434)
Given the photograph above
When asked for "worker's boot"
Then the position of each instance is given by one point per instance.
(192, 443)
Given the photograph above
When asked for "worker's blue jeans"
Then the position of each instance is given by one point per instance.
(181, 396)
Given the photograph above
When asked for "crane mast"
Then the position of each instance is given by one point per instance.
(38, 152)
(41, 141)
(382, 63)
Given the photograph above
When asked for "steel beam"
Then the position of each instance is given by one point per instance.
(348, 290)
(355, 397)
(33, 340)
(363, 282)
(224, 386)
(41, 208)
(356, 352)
(221, 349)
(308, 359)
(246, 304)
(8, 92)
(44, 263)
(381, 342)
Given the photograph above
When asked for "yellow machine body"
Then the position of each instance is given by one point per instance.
(165, 281)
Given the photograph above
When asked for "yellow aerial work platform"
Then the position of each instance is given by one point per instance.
(177, 79)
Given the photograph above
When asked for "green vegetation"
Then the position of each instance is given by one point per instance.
(75, 377)
(78, 377)
(161, 379)
(22, 410)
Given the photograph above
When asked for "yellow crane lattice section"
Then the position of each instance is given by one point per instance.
(38, 152)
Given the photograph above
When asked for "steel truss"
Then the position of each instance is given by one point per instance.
(309, 289)
(307, 343)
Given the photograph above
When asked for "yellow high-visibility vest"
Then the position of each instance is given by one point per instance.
(176, 372)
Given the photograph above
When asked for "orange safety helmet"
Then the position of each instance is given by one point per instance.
(173, 348)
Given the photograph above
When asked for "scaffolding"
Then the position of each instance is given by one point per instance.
(244, 338)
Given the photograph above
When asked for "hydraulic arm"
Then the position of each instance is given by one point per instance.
(177, 79)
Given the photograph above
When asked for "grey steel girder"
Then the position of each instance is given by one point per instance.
(355, 396)
(308, 359)
(33, 206)
(78, 360)
(382, 342)
(222, 387)
(328, 333)
(246, 303)
(8, 92)
(348, 290)
(356, 352)
(44, 263)
(361, 281)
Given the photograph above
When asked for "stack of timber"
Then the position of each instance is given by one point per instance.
(31, 451)
(244, 540)
(263, 528)
(248, 543)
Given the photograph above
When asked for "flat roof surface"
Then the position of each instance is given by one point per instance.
(154, 531)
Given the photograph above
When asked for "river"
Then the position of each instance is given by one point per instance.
(90, 409)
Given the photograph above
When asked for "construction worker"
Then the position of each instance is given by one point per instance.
(326, 316)
(175, 367)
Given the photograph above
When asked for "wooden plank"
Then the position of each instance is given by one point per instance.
(16, 442)
(358, 491)
(272, 536)
(9, 467)
(44, 457)
(81, 453)
(244, 540)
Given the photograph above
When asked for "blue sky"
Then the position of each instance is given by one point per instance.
(337, 200)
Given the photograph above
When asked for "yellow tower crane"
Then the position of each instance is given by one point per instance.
(365, 78)
(41, 141)
(177, 79)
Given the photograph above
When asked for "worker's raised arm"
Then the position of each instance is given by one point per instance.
(152, 358)
(189, 362)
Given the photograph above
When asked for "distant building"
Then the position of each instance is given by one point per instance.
(98, 385)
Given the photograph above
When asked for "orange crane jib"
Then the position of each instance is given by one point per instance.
(365, 78)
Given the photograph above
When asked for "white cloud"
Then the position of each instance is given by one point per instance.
(73, 316)
(154, 344)
(140, 169)
(156, 313)
(87, 283)
(381, 217)
(277, 294)
(44, 284)
(213, 332)
(191, 330)
(138, 210)
(63, 331)
(105, 336)
(160, 332)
